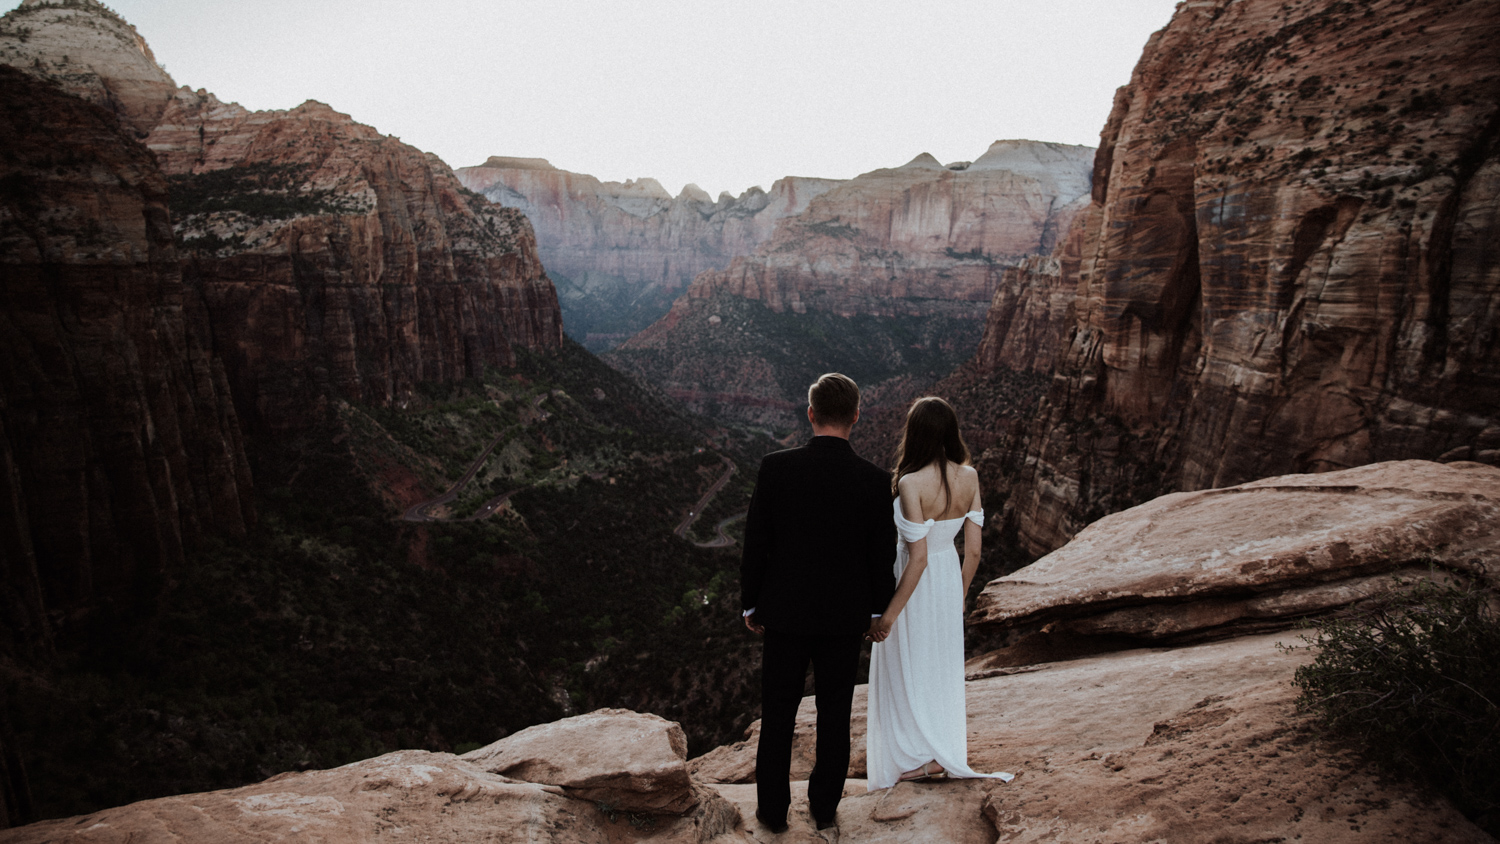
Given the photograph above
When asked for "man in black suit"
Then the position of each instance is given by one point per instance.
(820, 544)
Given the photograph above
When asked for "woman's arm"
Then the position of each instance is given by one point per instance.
(971, 542)
(916, 561)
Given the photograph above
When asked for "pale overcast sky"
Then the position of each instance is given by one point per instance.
(724, 94)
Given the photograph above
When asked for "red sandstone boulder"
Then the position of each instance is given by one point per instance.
(630, 761)
(411, 795)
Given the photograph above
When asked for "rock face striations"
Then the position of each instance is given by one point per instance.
(118, 440)
(891, 240)
(90, 52)
(621, 252)
(336, 260)
(888, 276)
(1288, 264)
(311, 257)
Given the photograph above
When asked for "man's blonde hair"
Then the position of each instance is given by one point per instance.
(834, 399)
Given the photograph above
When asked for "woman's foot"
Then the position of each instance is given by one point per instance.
(926, 772)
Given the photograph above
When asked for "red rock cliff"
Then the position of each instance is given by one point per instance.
(886, 278)
(892, 240)
(1289, 262)
(620, 253)
(636, 230)
(118, 440)
(336, 260)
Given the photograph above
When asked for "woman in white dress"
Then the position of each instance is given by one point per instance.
(917, 720)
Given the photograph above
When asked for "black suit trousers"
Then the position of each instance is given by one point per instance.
(784, 661)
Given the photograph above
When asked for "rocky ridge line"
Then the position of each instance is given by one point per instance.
(622, 251)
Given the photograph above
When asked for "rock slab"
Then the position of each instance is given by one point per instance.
(1280, 548)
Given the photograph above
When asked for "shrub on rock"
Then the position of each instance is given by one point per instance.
(1413, 683)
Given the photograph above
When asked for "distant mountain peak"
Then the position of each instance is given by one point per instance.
(91, 52)
(505, 162)
(692, 192)
(925, 161)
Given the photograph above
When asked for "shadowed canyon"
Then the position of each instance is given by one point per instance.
(349, 495)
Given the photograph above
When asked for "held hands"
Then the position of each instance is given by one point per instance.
(880, 628)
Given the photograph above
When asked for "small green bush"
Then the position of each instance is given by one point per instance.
(1414, 684)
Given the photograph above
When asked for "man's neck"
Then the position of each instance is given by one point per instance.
(841, 433)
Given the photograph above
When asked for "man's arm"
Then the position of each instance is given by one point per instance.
(756, 554)
(881, 551)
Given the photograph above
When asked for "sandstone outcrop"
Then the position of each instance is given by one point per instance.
(621, 252)
(338, 261)
(410, 794)
(1192, 744)
(1200, 743)
(906, 260)
(1288, 262)
(1266, 553)
(90, 52)
(644, 770)
(119, 443)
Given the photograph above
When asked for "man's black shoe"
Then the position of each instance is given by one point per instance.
(775, 826)
(828, 824)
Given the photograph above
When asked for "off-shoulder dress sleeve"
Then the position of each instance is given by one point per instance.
(908, 530)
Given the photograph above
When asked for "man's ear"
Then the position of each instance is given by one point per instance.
(813, 420)
(855, 419)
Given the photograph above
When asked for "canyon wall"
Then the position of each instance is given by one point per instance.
(311, 257)
(332, 259)
(890, 240)
(1289, 262)
(119, 443)
(338, 261)
(886, 277)
(621, 252)
(90, 52)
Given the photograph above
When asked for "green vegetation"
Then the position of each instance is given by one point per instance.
(834, 228)
(1413, 685)
(212, 211)
(975, 254)
(797, 348)
(335, 631)
(258, 191)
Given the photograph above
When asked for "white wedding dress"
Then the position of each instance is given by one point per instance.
(916, 696)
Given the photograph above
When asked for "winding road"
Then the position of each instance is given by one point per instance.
(419, 512)
(721, 539)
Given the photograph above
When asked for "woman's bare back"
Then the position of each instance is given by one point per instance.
(926, 483)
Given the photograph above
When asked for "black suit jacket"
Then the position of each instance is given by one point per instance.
(820, 543)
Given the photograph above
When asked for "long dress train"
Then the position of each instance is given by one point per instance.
(917, 712)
